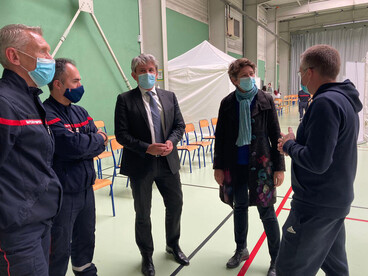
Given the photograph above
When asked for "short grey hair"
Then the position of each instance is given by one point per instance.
(143, 59)
(15, 35)
(323, 58)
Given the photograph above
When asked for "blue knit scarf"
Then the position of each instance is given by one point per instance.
(245, 126)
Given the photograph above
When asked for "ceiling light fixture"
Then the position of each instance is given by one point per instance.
(345, 23)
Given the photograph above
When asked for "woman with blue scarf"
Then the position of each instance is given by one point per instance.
(247, 164)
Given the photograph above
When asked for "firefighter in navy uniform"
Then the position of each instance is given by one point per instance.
(30, 192)
(303, 98)
(77, 141)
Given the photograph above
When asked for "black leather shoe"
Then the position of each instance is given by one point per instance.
(148, 269)
(239, 256)
(272, 270)
(178, 255)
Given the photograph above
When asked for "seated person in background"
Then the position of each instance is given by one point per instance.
(276, 95)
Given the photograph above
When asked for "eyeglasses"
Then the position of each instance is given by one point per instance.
(300, 74)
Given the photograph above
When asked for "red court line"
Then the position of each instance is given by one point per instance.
(256, 248)
(361, 220)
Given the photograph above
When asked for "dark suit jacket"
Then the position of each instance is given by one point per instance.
(133, 132)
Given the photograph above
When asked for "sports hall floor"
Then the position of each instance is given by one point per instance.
(207, 225)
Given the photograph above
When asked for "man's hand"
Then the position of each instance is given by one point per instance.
(104, 135)
(169, 148)
(278, 178)
(219, 176)
(156, 149)
(284, 138)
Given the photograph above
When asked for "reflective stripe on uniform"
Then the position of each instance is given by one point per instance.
(20, 122)
(6, 260)
(80, 268)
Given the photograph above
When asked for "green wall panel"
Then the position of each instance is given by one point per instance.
(100, 76)
(237, 56)
(183, 33)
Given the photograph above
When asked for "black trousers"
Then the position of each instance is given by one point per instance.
(310, 243)
(302, 109)
(73, 235)
(24, 251)
(240, 178)
(169, 186)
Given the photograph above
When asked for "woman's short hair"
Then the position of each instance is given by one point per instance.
(143, 59)
(322, 58)
(239, 64)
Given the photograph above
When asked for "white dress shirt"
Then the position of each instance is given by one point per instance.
(146, 100)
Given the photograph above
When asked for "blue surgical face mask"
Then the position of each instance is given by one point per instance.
(304, 87)
(247, 84)
(146, 81)
(44, 72)
(75, 94)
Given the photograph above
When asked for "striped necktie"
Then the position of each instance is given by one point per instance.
(156, 118)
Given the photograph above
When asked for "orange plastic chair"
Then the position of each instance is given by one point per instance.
(278, 106)
(203, 124)
(214, 123)
(285, 106)
(101, 124)
(277, 101)
(116, 148)
(189, 133)
(188, 149)
(294, 99)
(288, 99)
(101, 182)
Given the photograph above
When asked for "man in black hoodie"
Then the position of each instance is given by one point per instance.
(324, 161)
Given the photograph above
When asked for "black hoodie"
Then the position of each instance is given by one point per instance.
(324, 155)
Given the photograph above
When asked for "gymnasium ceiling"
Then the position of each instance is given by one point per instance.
(295, 9)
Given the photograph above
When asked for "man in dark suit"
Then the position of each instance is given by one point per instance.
(149, 124)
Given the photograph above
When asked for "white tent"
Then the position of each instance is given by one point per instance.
(200, 81)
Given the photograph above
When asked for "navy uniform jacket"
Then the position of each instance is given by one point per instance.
(30, 191)
(303, 97)
(76, 143)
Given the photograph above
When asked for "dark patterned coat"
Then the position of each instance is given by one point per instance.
(264, 158)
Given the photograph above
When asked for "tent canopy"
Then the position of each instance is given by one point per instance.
(200, 81)
(202, 56)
